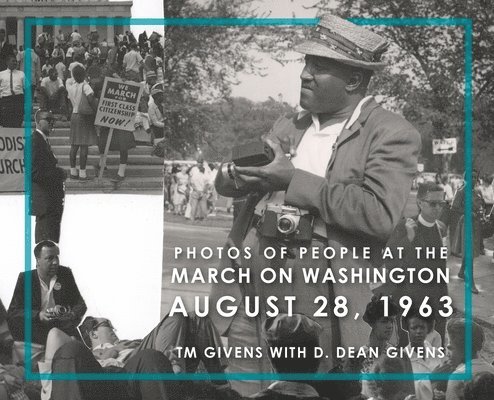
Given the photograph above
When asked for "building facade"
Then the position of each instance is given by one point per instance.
(13, 13)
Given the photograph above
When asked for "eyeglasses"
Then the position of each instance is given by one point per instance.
(105, 323)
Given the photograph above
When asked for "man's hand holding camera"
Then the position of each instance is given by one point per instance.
(272, 177)
(57, 313)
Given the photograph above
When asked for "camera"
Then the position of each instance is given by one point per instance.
(254, 154)
(286, 223)
(58, 310)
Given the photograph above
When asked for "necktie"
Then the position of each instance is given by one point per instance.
(12, 82)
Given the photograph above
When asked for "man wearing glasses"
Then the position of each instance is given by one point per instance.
(153, 354)
(422, 232)
(171, 333)
(48, 188)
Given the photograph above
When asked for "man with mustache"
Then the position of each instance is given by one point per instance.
(350, 167)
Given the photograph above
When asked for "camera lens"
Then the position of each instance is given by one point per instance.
(287, 224)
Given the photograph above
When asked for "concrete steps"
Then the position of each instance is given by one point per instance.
(144, 172)
(105, 185)
(139, 153)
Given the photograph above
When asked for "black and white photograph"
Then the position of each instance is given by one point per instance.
(96, 199)
(315, 189)
(261, 199)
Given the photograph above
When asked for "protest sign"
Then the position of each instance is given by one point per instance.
(118, 104)
(117, 109)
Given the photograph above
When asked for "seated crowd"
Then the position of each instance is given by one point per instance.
(62, 344)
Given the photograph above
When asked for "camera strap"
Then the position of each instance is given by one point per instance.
(243, 221)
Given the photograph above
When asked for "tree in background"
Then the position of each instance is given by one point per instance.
(201, 65)
(236, 121)
(424, 81)
(427, 67)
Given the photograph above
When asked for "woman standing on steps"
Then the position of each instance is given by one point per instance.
(82, 129)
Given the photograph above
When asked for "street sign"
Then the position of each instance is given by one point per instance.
(444, 146)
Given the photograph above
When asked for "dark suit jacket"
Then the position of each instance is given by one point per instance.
(47, 178)
(67, 295)
(5, 51)
(417, 290)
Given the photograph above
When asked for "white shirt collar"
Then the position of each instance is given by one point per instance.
(295, 389)
(42, 134)
(351, 121)
(103, 346)
(425, 223)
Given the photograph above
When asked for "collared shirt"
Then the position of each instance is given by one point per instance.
(35, 66)
(118, 361)
(17, 82)
(313, 154)
(155, 116)
(75, 36)
(295, 389)
(426, 223)
(51, 86)
(423, 388)
(42, 135)
(47, 300)
(132, 60)
(423, 222)
(198, 179)
(74, 92)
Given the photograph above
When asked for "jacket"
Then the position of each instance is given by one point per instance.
(361, 198)
(67, 295)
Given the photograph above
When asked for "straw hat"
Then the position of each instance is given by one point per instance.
(345, 42)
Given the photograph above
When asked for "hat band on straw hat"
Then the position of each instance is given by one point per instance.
(343, 46)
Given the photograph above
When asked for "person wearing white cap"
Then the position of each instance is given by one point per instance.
(350, 167)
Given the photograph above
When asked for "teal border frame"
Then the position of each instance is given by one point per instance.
(467, 25)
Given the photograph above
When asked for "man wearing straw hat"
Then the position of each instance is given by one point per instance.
(350, 166)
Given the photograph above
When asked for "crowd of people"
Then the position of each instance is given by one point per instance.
(66, 341)
(452, 215)
(189, 189)
(67, 76)
(339, 179)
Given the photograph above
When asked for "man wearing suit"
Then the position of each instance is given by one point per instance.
(351, 168)
(421, 232)
(56, 301)
(6, 50)
(48, 189)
